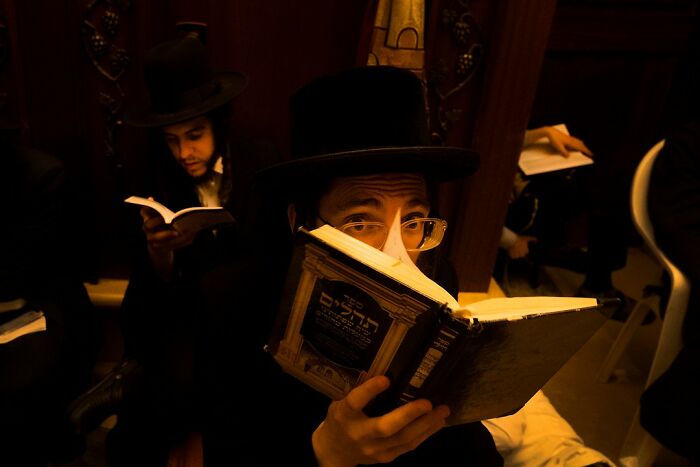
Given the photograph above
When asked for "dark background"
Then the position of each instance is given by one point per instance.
(616, 72)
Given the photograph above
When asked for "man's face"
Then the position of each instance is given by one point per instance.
(192, 144)
(375, 198)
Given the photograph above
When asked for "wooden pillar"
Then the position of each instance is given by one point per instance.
(488, 113)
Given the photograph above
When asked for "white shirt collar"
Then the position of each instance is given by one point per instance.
(208, 190)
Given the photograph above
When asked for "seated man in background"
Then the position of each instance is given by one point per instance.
(542, 206)
(40, 373)
(362, 160)
(518, 246)
(194, 161)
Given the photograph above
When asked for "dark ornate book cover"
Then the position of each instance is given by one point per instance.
(341, 321)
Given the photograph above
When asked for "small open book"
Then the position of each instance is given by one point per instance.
(27, 323)
(188, 220)
(541, 157)
(349, 312)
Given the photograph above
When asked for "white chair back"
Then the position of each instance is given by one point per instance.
(670, 340)
(640, 449)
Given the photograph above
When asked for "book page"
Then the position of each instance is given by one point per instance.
(541, 157)
(27, 323)
(509, 308)
(384, 263)
(182, 212)
(169, 216)
(155, 205)
(493, 309)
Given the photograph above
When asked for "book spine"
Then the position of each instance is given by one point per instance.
(445, 339)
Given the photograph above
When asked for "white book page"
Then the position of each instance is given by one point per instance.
(155, 205)
(167, 214)
(198, 208)
(495, 309)
(389, 265)
(541, 157)
(29, 322)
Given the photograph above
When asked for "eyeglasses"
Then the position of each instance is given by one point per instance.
(419, 234)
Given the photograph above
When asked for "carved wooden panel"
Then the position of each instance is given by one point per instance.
(487, 111)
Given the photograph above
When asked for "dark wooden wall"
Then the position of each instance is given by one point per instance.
(604, 70)
(70, 107)
(607, 73)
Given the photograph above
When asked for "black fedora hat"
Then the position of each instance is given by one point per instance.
(181, 84)
(363, 120)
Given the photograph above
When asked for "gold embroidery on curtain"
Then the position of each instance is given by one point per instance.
(397, 35)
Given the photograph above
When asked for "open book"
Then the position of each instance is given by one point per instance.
(28, 322)
(188, 220)
(349, 312)
(541, 157)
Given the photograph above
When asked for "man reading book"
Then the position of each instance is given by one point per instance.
(193, 160)
(362, 164)
(542, 204)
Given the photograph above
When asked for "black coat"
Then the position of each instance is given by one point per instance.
(165, 326)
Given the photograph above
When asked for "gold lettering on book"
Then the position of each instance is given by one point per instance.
(351, 307)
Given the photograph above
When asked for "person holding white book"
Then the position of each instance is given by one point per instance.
(161, 391)
(518, 246)
(542, 204)
(362, 163)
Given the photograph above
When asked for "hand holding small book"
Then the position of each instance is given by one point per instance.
(552, 148)
(162, 241)
(167, 231)
(560, 140)
(348, 437)
(159, 235)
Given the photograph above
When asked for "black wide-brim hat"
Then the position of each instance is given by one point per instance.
(181, 84)
(362, 121)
